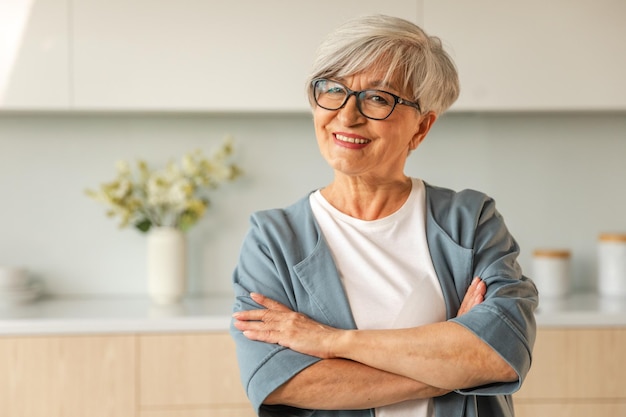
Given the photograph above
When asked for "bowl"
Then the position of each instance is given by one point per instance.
(12, 279)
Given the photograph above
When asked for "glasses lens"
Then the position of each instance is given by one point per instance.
(376, 104)
(329, 95)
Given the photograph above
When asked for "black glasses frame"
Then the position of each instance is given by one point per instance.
(358, 95)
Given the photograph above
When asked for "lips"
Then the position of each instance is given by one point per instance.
(351, 139)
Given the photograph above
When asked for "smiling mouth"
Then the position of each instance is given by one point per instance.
(347, 139)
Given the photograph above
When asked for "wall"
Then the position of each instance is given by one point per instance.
(557, 178)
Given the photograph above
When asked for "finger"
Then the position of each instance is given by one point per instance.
(480, 288)
(475, 295)
(476, 283)
(250, 315)
(261, 335)
(245, 325)
(268, 302)
(471, 291)
(478, 291)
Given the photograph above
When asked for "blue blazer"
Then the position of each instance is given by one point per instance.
(285, 257)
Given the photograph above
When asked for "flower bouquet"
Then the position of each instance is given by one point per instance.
(176, 196)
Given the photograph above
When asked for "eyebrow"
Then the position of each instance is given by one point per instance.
(375, 84)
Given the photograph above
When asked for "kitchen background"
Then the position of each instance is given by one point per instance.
(556, 168)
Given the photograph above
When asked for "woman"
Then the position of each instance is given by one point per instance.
(375, 250)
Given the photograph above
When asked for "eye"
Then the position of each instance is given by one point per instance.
(333, 89)
(378, 98)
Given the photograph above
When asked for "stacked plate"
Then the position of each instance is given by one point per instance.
(17, 287)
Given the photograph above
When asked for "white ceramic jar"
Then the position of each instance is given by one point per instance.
(551, 272)
(612, 264)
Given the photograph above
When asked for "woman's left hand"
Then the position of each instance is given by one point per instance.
(278, 324)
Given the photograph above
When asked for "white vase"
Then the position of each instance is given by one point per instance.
(167, 265)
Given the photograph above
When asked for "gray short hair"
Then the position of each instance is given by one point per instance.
(402, 49)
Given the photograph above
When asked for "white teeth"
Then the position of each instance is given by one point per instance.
(352, 140)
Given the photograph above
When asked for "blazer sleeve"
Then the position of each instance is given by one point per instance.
(505, 319)
(262, 268)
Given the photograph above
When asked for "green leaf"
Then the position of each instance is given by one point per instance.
(185, 223)
(143, 225)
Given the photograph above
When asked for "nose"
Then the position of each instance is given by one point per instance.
(350, 113)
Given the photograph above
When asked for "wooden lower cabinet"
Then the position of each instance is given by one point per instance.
(198, 372)
(160, 375)
(67, 376)
(576, 372)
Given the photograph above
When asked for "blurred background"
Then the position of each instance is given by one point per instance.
(540, 125)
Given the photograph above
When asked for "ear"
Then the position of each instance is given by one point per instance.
(425, 123)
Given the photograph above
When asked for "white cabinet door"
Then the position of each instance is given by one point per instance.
(535, 54)
(200, 55)
(34, 56)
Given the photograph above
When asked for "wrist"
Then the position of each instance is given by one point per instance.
(342, 343)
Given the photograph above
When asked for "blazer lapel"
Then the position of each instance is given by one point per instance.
(320, 278)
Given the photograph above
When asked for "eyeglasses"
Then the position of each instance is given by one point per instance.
(373, 104)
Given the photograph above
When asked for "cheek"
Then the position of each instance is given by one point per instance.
(320, 133)
(407, 137)
(320, 121)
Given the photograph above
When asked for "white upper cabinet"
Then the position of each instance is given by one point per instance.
(34, 56)
(252, 55)
(534, 54)
(199, 55)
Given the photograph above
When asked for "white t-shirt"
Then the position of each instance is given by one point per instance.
(387, 273)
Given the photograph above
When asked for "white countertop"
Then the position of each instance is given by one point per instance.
(139, 315)
(582, 310)
(115, 315)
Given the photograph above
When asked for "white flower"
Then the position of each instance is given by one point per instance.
(122, 167)
(124, 188)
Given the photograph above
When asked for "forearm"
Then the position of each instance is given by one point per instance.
(441, 354)
(336, 384)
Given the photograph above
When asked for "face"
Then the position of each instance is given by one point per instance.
(356, 146)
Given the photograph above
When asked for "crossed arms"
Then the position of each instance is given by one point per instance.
(373, 368)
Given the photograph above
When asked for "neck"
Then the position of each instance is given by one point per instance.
(368, 200)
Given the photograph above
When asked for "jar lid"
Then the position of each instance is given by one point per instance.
(552, 253)
(612, 237)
